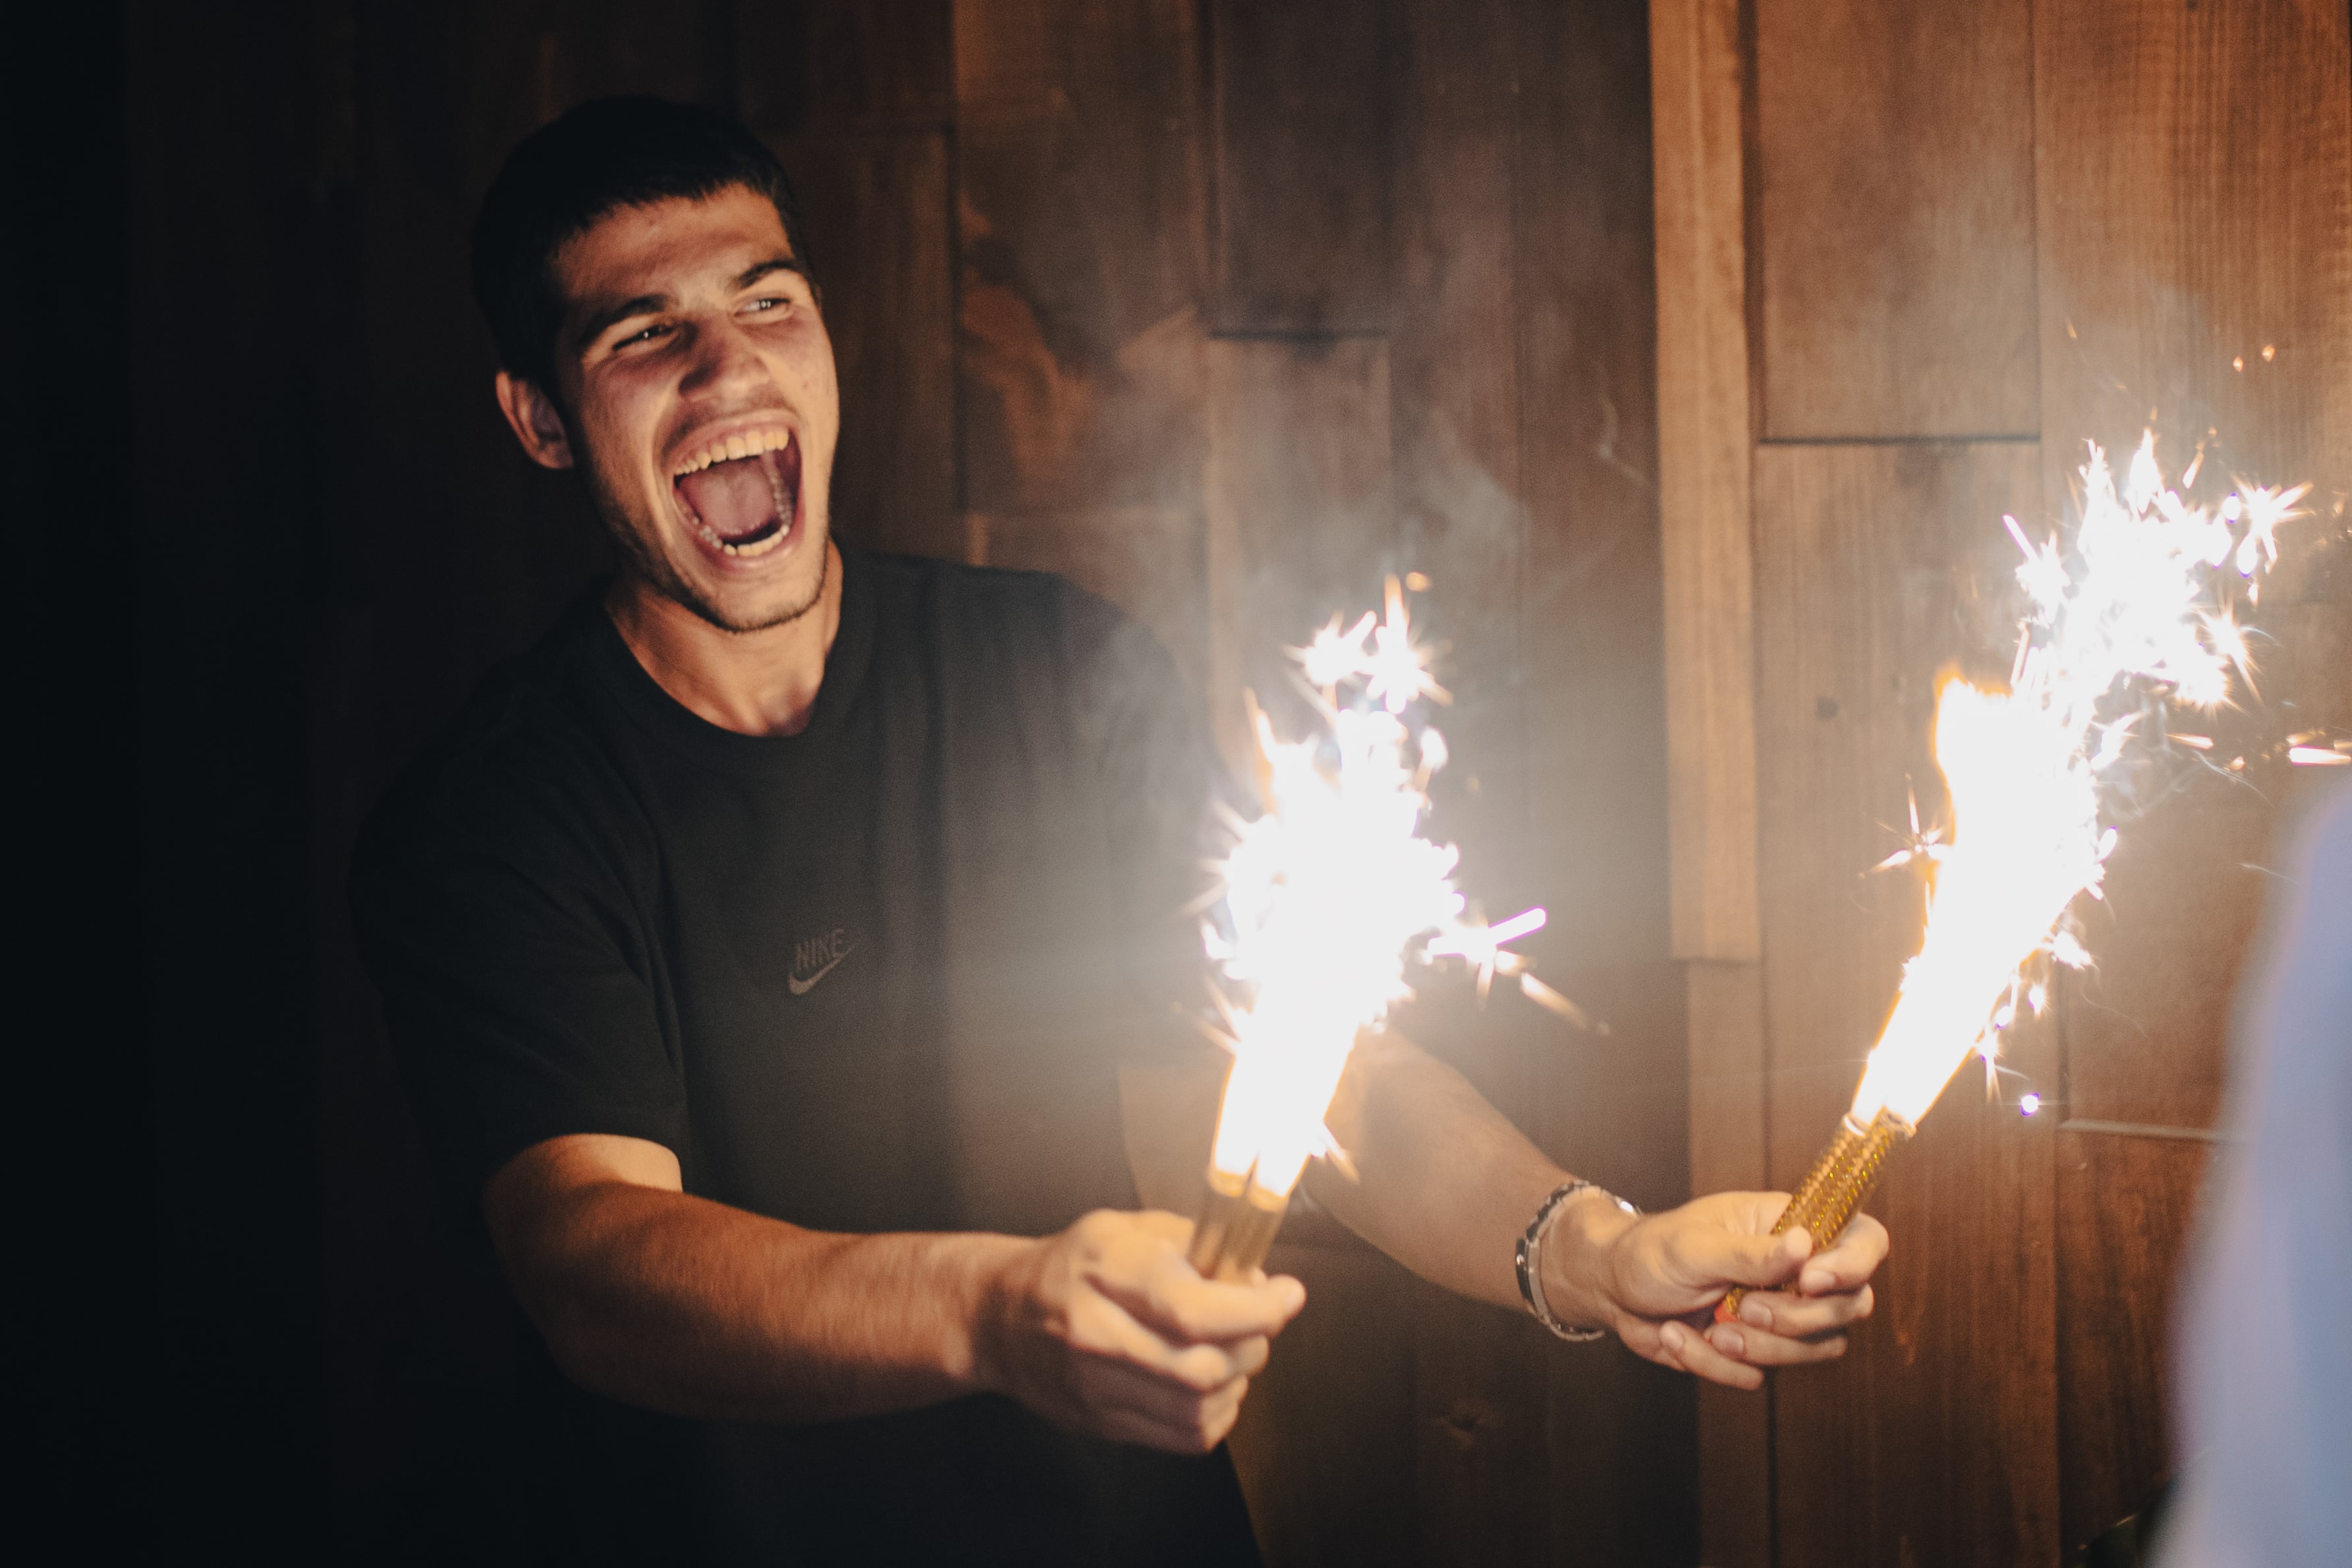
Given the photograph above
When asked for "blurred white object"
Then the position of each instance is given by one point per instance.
(2266, 1327)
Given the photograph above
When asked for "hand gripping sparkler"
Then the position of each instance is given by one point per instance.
(1326, 897)
(2024, 769)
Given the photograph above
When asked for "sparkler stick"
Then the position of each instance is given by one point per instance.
(2024, 771)
(1326, 895)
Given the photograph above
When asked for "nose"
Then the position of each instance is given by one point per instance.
(725, 364)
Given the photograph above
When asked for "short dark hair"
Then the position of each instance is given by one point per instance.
(605, 154)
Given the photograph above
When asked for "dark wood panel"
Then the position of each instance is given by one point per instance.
(1300, 94)
(2197, 262)
(1455, 402)
(1934, 1440)
(1151, 563)
(1895, 218)
(2126, 1208)
(877, 215)
(1080, 235)
(1324, 1442)
(1700, 90)
(2196, 208)
(1726, 1030)
(1588, 614)
(1300, 523)
(1479, 1431)
(844, 64)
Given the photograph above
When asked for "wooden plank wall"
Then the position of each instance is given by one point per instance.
(1911, 258)
(1224, 309)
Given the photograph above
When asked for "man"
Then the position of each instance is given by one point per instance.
(767, 951)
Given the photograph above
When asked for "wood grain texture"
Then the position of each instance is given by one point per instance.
(1593, 598)
(2126, 1208)
(1703, 455)
(1300, 525)
(877, 207)
(1588, 615)
(1322, 1446)
(1299, 95)
(1895, 218)
(1934, 1441)
(2197, 208)
(1456, 400)
(1479, 1432)
(1726, 1010)
(1080, 235)
(843, 65)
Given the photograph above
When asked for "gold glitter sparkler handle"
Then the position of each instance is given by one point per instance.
(1236, 1227)
(1825, 1200)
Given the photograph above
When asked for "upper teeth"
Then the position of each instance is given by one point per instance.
(747, 444)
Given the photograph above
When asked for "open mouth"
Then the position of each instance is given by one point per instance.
(741, 494)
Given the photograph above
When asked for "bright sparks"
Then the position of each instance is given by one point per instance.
(1332, 892)
(2024, 769)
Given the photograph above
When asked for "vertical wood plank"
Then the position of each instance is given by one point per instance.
(2196, 206)
(1589, 604)
(1300, 95)
(2125, 1207)
(1895, 218)
(2195, 210)
(1704, 450)
(877, 212)
(1300, 523)
(1323, 1444)
(1080, 235)
(1934, 1441)
(843, 65)
(1726, 1008)
(1479, 1442)
(1456, 397)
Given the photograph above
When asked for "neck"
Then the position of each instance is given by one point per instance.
(753, 683)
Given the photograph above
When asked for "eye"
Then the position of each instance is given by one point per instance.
(769, 306)
(644, 335)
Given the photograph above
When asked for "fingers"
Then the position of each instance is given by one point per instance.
(1139, 1262)
(1103, 1328)
(1758, 1347)
(1673, 1344)
(1705, 1253)
(1858, 1254)
(1195, 1427)
(1801, 1317)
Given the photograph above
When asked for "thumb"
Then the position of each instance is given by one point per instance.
(1719, 1257)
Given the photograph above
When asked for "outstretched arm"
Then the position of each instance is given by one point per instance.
(683, 1305)
(1447, 1184)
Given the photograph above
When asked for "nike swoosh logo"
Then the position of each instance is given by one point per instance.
(801, 988)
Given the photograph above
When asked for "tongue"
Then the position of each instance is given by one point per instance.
(736, 498)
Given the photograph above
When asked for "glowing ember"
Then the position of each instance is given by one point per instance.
(1328, 892)
(2024, 767)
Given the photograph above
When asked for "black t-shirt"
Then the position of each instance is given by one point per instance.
(878, 976)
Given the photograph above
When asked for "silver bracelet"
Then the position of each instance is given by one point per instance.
(1526, 1258)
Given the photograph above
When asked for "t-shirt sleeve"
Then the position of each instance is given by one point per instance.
(517, 991)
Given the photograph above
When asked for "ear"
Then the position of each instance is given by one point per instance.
(537, 423)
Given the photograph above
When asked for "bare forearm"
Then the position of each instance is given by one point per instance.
(687, 1306)
(1446, 1182)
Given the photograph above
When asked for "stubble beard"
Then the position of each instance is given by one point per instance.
(650, 565)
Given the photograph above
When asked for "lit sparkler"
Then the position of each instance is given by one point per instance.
(2132, 609)
(1327, 896)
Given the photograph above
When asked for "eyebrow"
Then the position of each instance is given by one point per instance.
(604, 320)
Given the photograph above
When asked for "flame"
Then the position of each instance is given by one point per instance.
(1332, 892)
(2024, 767)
